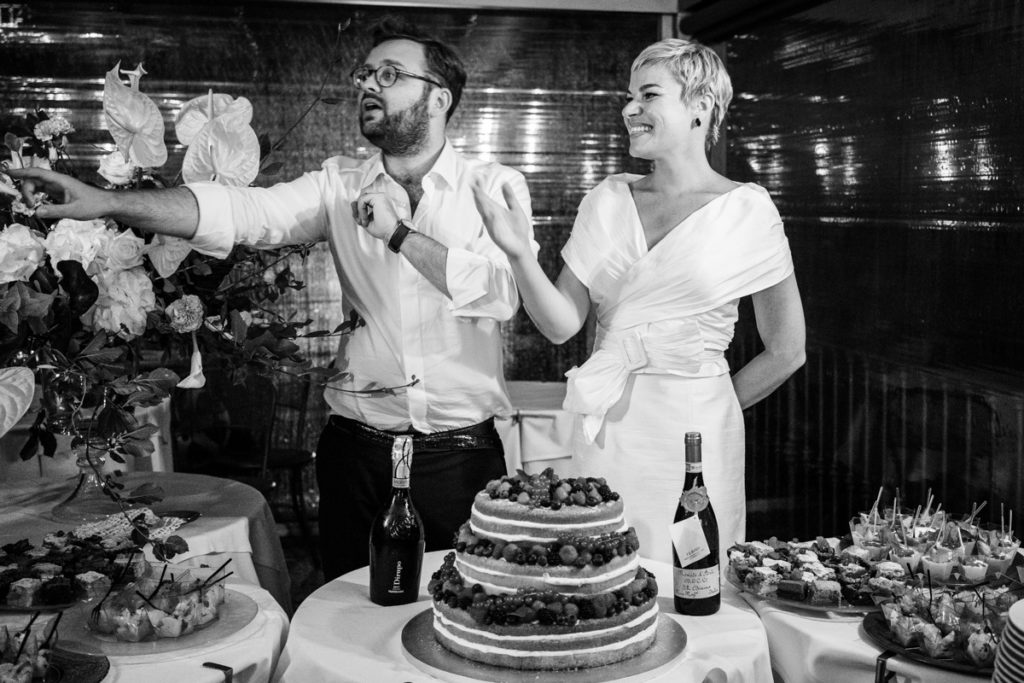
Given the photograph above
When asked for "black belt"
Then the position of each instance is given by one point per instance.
(480, 435)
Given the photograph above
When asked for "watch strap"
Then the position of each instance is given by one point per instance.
(402, 231)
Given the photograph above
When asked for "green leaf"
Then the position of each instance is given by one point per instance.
(272, 169)
(82, 291)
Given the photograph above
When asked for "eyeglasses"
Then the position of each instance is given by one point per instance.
(385, 75)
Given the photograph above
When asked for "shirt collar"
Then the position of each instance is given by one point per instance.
(444, 168)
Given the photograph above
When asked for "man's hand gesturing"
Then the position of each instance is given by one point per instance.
(374, 211)
(77, 200)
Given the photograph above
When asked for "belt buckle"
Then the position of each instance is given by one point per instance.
(633, 351)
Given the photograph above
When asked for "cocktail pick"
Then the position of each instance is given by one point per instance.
(873, 515)
(24, 635)
(53, 630)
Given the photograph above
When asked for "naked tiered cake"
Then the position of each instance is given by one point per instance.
(545, 576)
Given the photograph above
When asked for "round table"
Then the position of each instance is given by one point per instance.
(251, 652)
(235, 523)
(338, 635)
(808, 647)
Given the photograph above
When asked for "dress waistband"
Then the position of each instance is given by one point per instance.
(674, 346)
(481, 435)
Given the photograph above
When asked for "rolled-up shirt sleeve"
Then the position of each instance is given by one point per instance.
(287, 213)
(480, 279)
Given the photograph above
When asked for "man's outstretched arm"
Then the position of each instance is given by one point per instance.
(172, 211)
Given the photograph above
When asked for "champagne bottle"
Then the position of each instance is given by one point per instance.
(396, 537)
(696, 573)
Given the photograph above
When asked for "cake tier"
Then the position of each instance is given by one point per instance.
(503, 519)
(500, 576)
(543, 629)
(589, 643)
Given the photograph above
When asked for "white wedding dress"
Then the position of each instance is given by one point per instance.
(664, 319)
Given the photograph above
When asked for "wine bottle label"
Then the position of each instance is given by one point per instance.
(692, 584)
(689, 540)
(401, 461)
(694, 467)
(694, 499)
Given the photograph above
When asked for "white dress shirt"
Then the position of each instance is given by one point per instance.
(453, 347)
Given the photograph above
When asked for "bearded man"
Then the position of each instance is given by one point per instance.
(415, 263)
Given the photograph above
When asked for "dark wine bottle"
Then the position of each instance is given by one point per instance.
(696, 574)
(396, 537)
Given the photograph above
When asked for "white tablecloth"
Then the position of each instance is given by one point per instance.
(817, 648)
(252, 651)
(338, 635)
(539, 432)
(235, 522)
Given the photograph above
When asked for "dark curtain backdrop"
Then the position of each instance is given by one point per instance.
(888, 133)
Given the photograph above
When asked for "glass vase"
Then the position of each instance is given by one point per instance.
(87, 502)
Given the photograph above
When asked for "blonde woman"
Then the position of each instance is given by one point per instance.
(664, 258)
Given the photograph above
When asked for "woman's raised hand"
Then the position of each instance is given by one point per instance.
(77, 200)
(507, 225)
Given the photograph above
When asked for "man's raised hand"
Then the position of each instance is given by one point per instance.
(77, 200)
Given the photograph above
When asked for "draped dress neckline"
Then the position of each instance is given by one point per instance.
(641, 237)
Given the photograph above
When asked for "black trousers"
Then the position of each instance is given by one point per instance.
(353, 471)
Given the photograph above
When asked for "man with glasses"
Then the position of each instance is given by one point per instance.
(414, 262)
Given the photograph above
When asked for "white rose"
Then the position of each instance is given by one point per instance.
(116, 169)
(21, 252)
(72, 240)
(125, 297)
(121, 250)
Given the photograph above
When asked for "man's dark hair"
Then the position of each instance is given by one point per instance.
(442, 61)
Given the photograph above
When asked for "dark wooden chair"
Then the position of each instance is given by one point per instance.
(289, 453)
(226, 428)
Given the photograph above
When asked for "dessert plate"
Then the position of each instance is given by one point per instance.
(426, 654)
(842, 607)
(877, 630)
(75, 636)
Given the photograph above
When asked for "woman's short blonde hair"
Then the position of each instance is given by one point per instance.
(698, 69)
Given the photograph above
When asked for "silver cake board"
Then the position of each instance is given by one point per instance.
(426, 654)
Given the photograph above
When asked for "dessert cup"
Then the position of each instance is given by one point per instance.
(1000, 560)
(908, 557)
(973, 569)
(939, 570)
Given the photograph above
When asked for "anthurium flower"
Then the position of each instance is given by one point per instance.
(224, 152)
(167, 253)
(200, 111)
(196, 379)
(133, 119)
(17, 386)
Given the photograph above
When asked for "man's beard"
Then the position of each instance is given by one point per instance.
(403, 133)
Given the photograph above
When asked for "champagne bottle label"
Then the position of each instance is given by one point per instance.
(693, 584)
(401, 461)
(689, 540)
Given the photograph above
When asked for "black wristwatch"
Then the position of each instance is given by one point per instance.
(402, 231)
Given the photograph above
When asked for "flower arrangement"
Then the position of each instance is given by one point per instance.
(93, 312)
